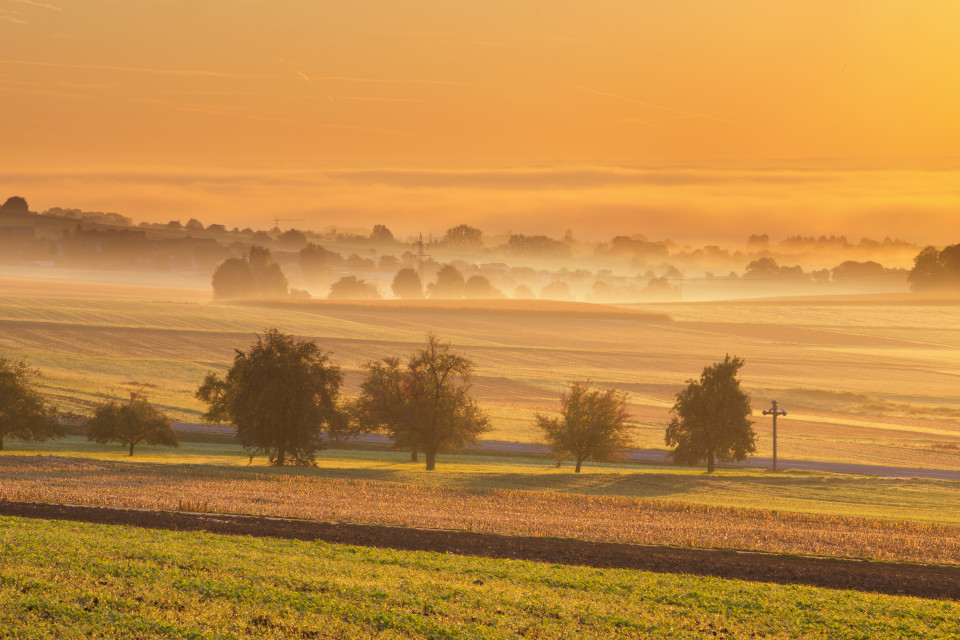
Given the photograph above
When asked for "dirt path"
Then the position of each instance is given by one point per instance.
(925, 581)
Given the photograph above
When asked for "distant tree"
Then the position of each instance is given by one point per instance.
(556, 290)
(424, 405)
(661, 289)
(252, 276)
(216, 228)
(15, 204)
(711, 418)
(758, 241)
(280, 395)
(234, 278)
(271, 283)
(406, 284)
(292, 240)
(541, 246)
(174, 225)
(523, 292)
(463, 237)
(316, 263)
(592, 425)
(449, 283)
(24, 413)
(381, 234)
(935, 270)
(353, 288)
(388, 263)
(480, 287)
(130, 423)
(193, 225)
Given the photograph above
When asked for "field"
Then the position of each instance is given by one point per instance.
(800, 513)
(869, 379)
(72, 580)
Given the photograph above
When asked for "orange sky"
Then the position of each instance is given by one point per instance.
(666, 118)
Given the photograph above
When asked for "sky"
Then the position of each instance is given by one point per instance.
(689, 119)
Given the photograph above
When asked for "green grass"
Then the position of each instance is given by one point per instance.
(72, 580)
(915, 500)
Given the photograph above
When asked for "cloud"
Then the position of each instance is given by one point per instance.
(33, 3)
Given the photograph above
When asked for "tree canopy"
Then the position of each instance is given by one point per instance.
(24, 413)
(406, 284)
(710, 418)
(353, 288)
(936, 270)
(425, 404)
(449, 283)
(255, 275)
(592, 425)
(281, 394)
(131, 423)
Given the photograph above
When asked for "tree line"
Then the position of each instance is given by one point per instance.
(283, 397)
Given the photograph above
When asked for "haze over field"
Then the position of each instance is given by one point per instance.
(693, 120)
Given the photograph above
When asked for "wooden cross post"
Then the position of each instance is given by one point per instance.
(774, 411)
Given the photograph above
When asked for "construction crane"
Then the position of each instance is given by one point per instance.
(277, 221)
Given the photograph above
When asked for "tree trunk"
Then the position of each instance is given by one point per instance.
(281, 459)
(579, 462)
(431, 460)
(559, 462)
(710, 461)
(1, 443)
(413, 455)
(131, 449)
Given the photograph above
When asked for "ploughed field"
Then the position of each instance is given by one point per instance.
(865, 379)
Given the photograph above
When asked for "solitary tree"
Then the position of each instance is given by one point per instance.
(254, 275)
(24, 414)
(592, 425)
(710, 418)
(449, 283)
(424, 405)
(280, 395)
(353, 288)
(131, 423)
(406, 284)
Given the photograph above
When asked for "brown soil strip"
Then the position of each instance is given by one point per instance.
(925, 581)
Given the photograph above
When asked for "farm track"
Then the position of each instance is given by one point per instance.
(909, 579)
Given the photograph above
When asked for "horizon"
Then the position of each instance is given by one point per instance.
(690, 121)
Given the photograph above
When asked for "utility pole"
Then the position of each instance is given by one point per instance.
(774, 411)
(420, 256)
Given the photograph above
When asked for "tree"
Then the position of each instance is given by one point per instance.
(353, 288)
(449, 283)
(935, 270)
(407, 284)
(24, 413)
(425, 404)
(463, 236)
(592, 425)
(381, 234)
(710, 418)
(480, 287)
(254, 275)
(234, 278)
(280, 395)
(130, 423)
(15, 204)
(316, 263)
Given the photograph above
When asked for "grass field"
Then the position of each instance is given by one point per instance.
(870, 382)
(69, 580)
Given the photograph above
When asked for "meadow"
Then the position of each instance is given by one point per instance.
(867, 379)
(71, 580)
